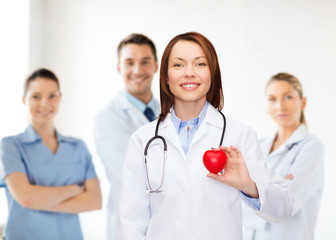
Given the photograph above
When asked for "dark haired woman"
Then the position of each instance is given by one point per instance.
(49, 178)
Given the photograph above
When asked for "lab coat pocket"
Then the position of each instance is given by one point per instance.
(220, 192)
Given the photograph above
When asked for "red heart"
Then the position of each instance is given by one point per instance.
(214, 161)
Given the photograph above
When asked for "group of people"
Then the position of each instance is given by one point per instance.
(152, 153)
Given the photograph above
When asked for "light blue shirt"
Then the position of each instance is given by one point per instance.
(186, 129)
(139, 104)
(72, 164)
(186, 135)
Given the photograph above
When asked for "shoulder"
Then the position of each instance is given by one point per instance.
(72, 140)
(146, 130)
(8, 141)
(312, 141)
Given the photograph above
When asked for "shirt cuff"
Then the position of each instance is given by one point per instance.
(253, 203)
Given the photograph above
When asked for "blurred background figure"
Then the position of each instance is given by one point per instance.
(294, 154)
(49, 178)
(130, 109)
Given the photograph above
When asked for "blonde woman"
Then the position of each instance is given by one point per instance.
(297, 156)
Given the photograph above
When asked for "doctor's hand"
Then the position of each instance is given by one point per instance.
(236, 173)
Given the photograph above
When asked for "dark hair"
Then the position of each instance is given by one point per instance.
(40, 73)
(138, 39)
(296, 84)
(215, 94)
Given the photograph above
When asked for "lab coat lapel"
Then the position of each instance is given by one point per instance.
(168, 131)
(134, 114)
(212, 117)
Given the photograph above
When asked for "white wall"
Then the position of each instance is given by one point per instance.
(254, 40)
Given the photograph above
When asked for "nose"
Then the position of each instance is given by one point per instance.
(189, 72)
(280, 104)
(44, 102)
(137, 69)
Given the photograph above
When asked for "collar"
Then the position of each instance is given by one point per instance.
(212, 116)
(297, 136)
(197, 121)
(139, 104)
(31, 136)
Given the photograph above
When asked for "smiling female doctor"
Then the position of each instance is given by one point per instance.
(177, 199)
(294, 154)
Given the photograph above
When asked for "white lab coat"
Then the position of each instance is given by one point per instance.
(301, 155)
(192, 206)
(113, 127)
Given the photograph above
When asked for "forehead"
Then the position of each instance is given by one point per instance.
(135, 51)
(186, 50)
(40, 84)
(279, 87)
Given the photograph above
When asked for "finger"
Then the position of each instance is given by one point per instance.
(289, 176)
(214, 176)
(236, 150)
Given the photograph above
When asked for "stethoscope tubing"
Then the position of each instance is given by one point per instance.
(156, 136)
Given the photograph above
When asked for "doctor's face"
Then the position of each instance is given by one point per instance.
(137, 66)
(284, 104)
(189, 77)
(42, 100)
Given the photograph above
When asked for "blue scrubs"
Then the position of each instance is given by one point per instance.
(72, 164)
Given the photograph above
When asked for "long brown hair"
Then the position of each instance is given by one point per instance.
(296, 84)
(214, 96)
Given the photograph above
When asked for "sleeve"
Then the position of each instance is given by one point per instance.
(89, 167)
(10, 158)
(308, 172)
(274, 195)
(111, 138)
(134, 211)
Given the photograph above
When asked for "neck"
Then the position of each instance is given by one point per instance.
(285, 132)
(145, 97)
(282, 135)
(45, 131)
(188, 110)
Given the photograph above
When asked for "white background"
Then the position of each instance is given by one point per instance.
(254, 40)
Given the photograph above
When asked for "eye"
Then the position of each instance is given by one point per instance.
(35, 97)
(177, 65)
(52, 96)
(288, 97)
(128, 64)
(145, 62)
(201, 64)
(271, 99)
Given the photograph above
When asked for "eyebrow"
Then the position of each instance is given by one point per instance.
(144, 58)
(196, 58)
(288, 92)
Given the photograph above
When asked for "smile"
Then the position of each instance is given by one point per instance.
(190, 85)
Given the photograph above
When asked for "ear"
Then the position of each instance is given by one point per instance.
(118, 67)
(303, 103)
(156, 66)
(24, 100)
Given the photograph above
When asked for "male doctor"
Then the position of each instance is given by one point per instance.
(130, 109)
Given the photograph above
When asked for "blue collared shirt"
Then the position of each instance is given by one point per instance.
(139, 104)
(187, 129)
(71, 164)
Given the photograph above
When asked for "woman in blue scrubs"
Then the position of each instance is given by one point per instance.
(49, 178)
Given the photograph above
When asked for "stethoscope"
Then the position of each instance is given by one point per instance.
(157, 136)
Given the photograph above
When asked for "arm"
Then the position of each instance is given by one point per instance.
(307, 172)
(38, 197)
(111, 134)
(134, 209)
(88, 200)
